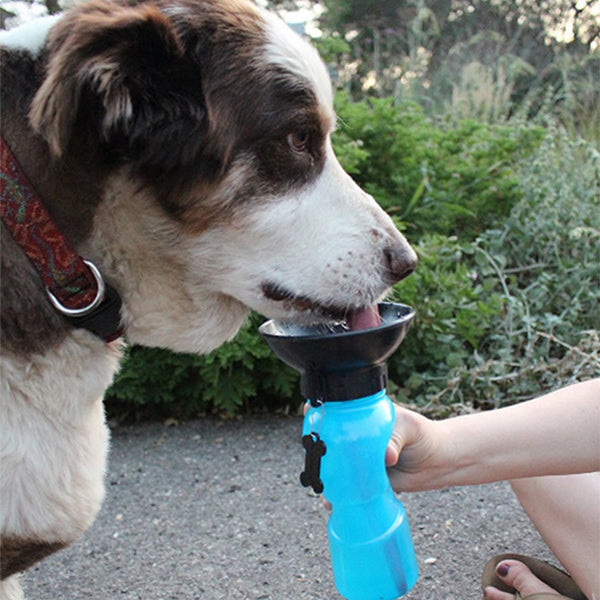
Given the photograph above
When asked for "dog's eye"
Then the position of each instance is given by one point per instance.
(298, 140)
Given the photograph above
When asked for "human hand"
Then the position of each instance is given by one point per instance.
(415, 454)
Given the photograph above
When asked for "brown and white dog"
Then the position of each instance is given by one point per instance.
(183, 146)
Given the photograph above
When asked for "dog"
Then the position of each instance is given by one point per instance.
(184, 148)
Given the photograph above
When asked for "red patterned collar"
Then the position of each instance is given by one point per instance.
(74, 285)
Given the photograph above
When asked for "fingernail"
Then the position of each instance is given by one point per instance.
(502, 569)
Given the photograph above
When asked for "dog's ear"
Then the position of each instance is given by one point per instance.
(130, 64)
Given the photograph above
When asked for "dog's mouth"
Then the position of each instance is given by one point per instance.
(353, 318)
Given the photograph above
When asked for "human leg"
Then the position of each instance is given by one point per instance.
(566, 511)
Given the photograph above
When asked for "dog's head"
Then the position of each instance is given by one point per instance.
(214, 120)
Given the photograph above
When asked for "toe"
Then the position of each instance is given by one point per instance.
(516, 575)
(492, 593)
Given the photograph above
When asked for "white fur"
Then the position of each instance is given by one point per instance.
(29, 36)
(10, 588)
(330, 251)
(180, 292)
(53, 439)
(166, 302)
(288, 50)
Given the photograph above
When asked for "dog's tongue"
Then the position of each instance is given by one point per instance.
(364, 319)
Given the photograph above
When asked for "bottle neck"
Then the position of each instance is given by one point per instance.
(336, 386)
(366, 402)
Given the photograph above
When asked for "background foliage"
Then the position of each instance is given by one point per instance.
(240, 375)
(515, 312)
(435, 175)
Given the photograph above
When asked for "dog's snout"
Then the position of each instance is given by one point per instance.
(401, 261)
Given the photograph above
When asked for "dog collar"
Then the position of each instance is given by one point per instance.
(74, 286)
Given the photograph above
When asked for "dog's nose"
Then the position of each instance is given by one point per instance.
(401, 261)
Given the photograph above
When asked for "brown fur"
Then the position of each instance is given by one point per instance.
(18, 554)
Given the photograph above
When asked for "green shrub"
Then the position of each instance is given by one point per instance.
(456, 178)
(154, 382)
(516, 312)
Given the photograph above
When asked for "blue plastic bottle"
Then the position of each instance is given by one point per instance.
(371, 548)
(346, 431)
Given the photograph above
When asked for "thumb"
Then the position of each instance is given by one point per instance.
(392, 452)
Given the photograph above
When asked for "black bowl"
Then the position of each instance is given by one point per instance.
(337, 363)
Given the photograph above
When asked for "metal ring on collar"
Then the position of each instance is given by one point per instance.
(86, 310)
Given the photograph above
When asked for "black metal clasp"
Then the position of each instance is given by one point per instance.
(105, 320)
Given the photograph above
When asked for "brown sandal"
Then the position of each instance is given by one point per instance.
(559, 580)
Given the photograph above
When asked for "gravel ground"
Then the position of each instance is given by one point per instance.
(214, 510)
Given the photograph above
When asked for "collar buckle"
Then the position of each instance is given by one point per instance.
(85, 310)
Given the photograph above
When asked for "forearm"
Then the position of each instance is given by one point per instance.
(555, 434)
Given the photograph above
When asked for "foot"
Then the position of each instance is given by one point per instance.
(516, 575)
